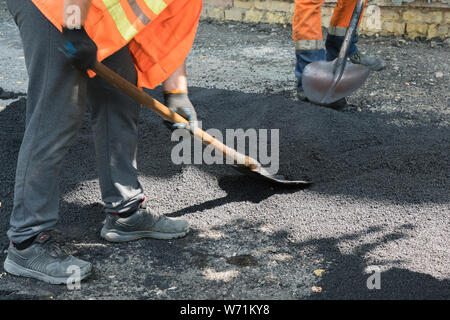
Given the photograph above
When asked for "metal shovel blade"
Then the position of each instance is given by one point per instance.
(320, 85)
(262, 174)
(325, 82)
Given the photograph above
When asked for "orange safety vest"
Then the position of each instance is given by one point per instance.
(159, 33)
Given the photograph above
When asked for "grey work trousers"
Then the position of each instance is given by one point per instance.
(58, 96)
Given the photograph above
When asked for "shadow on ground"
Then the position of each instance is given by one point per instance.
(254, 193)
(239, 260)
(347, 277)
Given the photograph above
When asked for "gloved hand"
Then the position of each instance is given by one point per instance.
(79, 48)
(180, 103)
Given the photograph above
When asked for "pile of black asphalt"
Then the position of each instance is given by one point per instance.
(379, 202)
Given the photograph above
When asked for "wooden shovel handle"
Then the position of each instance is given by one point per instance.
(173, 117)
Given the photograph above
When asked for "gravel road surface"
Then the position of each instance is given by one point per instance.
(380, 167)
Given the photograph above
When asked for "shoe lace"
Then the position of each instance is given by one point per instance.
(356, 57)
(54, 248)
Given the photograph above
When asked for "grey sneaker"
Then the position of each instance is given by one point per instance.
(45, 260)
(143, 224)
(340, 104)
(375, 63)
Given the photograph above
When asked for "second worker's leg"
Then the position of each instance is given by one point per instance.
(336, 33)
(309, 46)
(307, 35)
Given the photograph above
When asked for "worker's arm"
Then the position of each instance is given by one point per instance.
(177, 81)
(77, 46)
(75, 13)
(176, 96)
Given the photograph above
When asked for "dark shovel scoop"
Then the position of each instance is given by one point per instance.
(325, 82)
(262, 174)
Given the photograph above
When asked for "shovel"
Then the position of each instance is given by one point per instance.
(242, 163)
(325, 82)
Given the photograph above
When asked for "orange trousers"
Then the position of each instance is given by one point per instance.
(307, 23)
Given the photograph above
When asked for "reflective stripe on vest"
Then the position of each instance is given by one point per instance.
(116, 9)
(124, 26)
(156, 5)
(140, 14)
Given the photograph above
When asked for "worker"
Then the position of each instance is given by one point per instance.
(146, 42)
(309, 46)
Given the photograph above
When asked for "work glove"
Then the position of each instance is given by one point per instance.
(179, 102)
(79, 48)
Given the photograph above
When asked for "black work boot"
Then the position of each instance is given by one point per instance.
(374, 63)
(340, 104)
